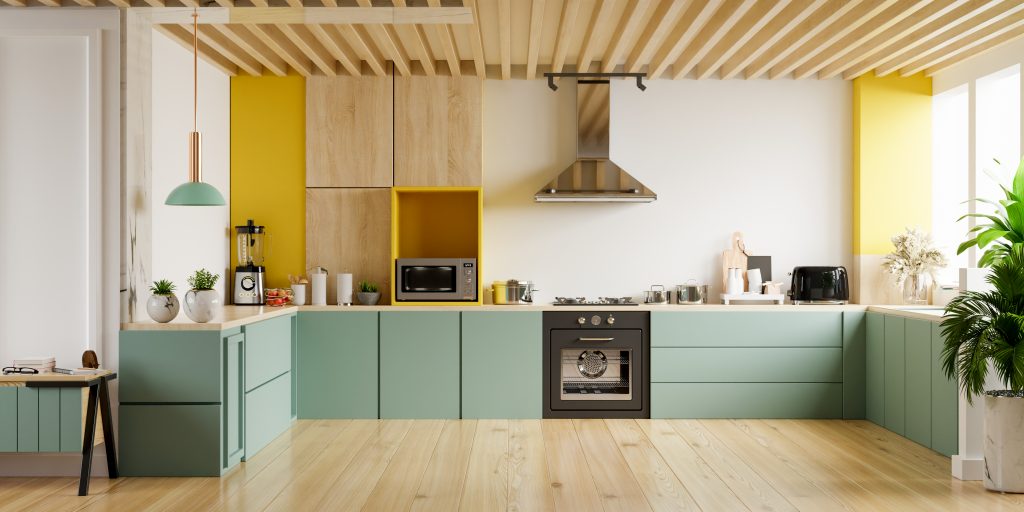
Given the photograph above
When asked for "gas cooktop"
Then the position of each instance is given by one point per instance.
(600, 301)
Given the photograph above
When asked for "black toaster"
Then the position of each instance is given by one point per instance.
(820, 285)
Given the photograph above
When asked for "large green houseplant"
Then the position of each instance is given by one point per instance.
(1005, 226)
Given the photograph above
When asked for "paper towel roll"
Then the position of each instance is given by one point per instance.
(344, 289)
(318, 282)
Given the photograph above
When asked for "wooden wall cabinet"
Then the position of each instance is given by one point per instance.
(437, 131)
(349, 131)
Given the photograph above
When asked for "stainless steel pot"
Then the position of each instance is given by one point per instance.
(512, 292)
(657, 295)
(692, 292)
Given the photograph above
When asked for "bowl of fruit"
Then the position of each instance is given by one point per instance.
(278, 296)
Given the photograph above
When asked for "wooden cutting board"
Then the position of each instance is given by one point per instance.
(734, 257)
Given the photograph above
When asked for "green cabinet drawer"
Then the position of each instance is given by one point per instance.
(169, 440)
(895, 374)
(747, 400)
(170, 366)
(874, 370)
(268, 413)
(817, 364)
(944, 401)
(746, 329)
(419, 364)
(854, 364)
(918, 381)
(8, 419)
(337, 365)
(268, 350)
(28, 419)
(502, 364)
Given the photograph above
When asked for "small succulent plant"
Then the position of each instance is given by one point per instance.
(368, 287)
(203, 279)
(162, 287)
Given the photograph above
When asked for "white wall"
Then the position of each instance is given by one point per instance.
(769, 158)
(187, 238)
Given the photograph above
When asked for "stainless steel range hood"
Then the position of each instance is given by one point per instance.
(594, 177)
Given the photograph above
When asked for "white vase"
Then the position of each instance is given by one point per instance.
(202, 305)
(163, 308)
(1004, 443)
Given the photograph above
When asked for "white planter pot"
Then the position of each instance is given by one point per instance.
(1004, 443)
(163, 308)
(202, 305)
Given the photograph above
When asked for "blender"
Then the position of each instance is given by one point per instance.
(250, 272)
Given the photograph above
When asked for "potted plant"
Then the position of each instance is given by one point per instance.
(988, 327)
(368, 294)
(914, 261)
(1006, 225)
(202, 303)
(162, 305)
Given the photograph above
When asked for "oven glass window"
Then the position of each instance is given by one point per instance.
(596, 374)
(429, 279)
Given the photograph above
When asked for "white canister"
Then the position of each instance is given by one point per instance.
(299, 294)
(318, 283)
(754, 280)
(344, 289)
(734, 285)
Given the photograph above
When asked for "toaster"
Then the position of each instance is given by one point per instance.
(820, 285)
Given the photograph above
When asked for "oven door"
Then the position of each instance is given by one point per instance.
(595, 369)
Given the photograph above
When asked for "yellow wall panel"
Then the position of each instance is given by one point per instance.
(892, 125)
(268, 167)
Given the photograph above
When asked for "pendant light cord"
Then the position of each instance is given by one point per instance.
(195, 67)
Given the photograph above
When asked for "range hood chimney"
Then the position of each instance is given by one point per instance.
(593, 177)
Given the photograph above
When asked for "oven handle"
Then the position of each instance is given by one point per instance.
(594, 339)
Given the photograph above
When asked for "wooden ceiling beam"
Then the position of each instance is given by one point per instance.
(659, 26)
(86, 3)
(387, 40)
(16, 3)
(951, 35)
(931, 12)
(363, 44)
(310, 47)
(329, 3)
(255, 48)
(426, 58)
(222, 3)
(215, 40)
(476, 41)
(505, 38)
(331, 39)
(50, 3)
(534, 37)
(566, 25)
(998, 40)
(124, 4)
(746, 28)
(599, 24)
(993, 31)
(811, 26)
(448, 44)
(294, 3)
(183, 37)
(260, 3)
(693, 20)
(279, 44)
(726, 17)
(631, 23)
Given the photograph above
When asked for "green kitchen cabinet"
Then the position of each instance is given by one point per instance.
(746, 329)
(8, 419)
(170, 366)
(788, 400)
(268, 350)
(49, 419)
(854, 364)
(502, 364)
(895, 374)
(419, 364)
(337, 365)
(874, 370)
(233, 441)
(170, 440)
(918, 381)
(267, 413)
(71, 415)
(750, 364)
(944, 400)
(28, 419)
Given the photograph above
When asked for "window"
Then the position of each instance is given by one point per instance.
(949, 176)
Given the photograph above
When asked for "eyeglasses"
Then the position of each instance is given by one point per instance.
(24, 371)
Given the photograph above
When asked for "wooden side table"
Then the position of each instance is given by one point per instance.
(99, 394)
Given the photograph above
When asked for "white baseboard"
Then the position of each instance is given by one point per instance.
(51, 464)
(968, 469)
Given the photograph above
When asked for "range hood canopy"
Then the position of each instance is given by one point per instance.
(593, 177)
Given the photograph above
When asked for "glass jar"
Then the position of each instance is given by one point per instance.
(915, 289)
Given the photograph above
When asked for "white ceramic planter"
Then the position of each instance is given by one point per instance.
(202, 305)
(163, 308)
(1004, 443)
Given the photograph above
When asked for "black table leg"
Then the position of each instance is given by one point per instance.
(108, 429)
(88, 441)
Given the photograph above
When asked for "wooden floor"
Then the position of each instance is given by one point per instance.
(528, 465)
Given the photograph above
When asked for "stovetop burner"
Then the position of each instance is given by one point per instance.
(600, 301)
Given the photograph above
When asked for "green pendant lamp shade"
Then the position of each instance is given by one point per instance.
(194, 192)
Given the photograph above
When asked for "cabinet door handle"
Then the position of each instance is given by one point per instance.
(595, 339)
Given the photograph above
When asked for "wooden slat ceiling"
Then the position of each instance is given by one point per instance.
(697, 39)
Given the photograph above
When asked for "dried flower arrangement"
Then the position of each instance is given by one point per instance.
(915, 254)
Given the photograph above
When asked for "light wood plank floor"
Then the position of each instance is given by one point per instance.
(533, 465)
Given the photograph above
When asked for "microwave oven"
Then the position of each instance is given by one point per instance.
(435, 280)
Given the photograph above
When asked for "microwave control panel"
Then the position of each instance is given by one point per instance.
(469, 278)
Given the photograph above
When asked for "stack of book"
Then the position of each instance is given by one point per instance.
(42, 364)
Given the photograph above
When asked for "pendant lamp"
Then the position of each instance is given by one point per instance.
(194, 192)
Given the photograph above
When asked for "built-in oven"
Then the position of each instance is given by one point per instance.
(596, 365)
(435, 280)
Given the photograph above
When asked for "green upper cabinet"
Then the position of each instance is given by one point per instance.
(918, 381)
(874, 370)
(746, 329)
(502, 360)
(895, 374)
(419, 364)
(944, 401)
(337, 365)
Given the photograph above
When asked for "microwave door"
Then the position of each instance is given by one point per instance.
(429, 279)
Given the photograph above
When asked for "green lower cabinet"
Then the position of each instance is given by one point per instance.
(746, 329)
(170, 367)
(268, 413)
(170, 440)
(874, 369)
(268, 350)
(783, 364)
(895, 374)
(854, 364)
(419, 364)
(71, 414)
(49, 419)
(8, 419)
(233, 408)
(918, 381)
(337, 365)
(944, 400)
(28, 419)
(502, 364)
(746, 400)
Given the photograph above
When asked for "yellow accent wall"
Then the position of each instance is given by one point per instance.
(268, 168)
(892, 137)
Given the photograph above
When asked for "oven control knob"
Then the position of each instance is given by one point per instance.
(611, 320)
(581, 320)
(595, 320)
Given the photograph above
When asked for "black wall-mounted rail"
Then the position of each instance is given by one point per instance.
(596, 78)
